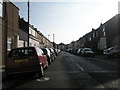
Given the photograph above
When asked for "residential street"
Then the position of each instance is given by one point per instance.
(70, 71)
(59, 44)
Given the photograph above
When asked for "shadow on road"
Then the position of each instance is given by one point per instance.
(14, 81)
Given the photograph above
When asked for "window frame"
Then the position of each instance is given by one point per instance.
(1, 5)
(9, 44)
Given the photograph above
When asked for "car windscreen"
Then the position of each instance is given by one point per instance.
(45, 51)
(88, 49)
(21, 52)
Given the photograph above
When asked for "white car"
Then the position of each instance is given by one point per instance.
(87, 52)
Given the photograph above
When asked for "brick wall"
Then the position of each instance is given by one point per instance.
(1, 41)
(12, 23)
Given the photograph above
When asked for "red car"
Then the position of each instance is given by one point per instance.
(26, 60)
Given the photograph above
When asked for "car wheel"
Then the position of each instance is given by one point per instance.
(46, 65)
(49, 61)
(41, 73)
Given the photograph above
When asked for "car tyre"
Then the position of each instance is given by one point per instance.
(41, 73)
(46, 65)
(49, 61)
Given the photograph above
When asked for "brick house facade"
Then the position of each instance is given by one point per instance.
(105, 36)
(12, 13)
(23, 33)
(9, 29)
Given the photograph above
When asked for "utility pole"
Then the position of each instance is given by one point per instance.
(53, 41)
(28, 21)
(53, 38)
(5, 33)
(48, 41)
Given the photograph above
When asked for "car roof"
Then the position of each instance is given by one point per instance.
(23, 47)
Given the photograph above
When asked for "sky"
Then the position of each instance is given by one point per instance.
(68, 20)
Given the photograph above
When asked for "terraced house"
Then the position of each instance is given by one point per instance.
(23, 33)
(9, 28)
(15, 32)
(1, 32)
(105, 36)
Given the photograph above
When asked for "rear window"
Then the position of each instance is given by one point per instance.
(88, 49)
(21, 52)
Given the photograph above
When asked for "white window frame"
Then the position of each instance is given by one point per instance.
(1, 8)
(9, 44)
(104, 31)
(90, 38)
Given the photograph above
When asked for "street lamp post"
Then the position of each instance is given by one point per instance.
(48, 37)
(53, 41)
(48, 41)
(28, 21)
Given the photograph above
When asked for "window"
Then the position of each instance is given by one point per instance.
(9, 44)
(25, 43)
(39, 52)
(30, 31)
(93, 35)
(104, 31)
(21, 52)
(90, 39)
(1, 8)
(96, 33)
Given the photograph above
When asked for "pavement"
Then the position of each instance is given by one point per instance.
(2, 73)
(104, 58)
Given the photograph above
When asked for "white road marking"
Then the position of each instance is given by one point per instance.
(80, 67)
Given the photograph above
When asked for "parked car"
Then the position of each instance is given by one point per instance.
(75, 51)
(87, 52)
(58, 51)
(55, 51)
(69, 50)
(52, 53)
(112, 51)
(26, 60)
(47, 53)
(79, 51)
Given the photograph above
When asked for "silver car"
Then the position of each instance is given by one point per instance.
(87, 52)
(112, 51)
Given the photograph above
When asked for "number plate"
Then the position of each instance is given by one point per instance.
(21, 60)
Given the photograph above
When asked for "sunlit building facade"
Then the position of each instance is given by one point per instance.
(1, 31)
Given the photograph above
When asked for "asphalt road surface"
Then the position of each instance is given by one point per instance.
(70, 71)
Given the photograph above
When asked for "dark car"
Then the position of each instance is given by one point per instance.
(26, 60)
(47, 53)
(53, 55)
(75, 51)
(87, 52)
(112, 51)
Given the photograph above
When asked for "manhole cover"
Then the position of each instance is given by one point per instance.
(42, 79)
